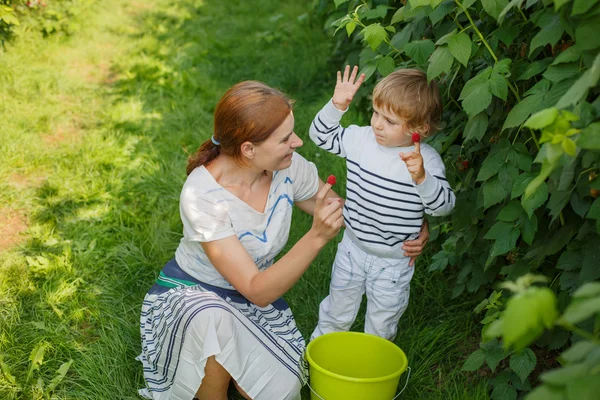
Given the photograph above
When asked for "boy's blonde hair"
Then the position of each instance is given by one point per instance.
(407, 94)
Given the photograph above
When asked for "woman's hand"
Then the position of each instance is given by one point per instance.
(414, 248)
(346, 87)
(327, 217)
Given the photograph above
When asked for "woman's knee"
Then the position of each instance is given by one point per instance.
(215, 382)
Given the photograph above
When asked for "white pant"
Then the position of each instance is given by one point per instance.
(387, 285)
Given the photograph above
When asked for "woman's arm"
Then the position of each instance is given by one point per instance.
(414, 248)
(232, 261)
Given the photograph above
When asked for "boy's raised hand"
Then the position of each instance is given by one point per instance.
(346, 87)
(414, 163)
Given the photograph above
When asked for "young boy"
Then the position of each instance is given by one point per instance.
(390, 185)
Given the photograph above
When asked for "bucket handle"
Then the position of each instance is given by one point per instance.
(395, 397)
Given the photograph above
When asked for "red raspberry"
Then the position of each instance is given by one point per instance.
(331, 180)
(465, 164)
(416, 137)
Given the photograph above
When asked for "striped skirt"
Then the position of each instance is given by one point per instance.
(185, 321)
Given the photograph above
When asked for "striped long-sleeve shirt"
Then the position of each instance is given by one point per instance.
(384, 206)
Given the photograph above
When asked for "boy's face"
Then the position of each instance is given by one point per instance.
(390, 130)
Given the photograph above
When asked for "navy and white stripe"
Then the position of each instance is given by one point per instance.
(384, 207)
(177, 298)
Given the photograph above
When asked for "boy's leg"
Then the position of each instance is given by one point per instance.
(388, 290)
(338, 311)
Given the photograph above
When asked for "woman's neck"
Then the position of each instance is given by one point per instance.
(229, 173)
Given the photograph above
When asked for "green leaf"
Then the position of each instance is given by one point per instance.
(419, 50)
(594, 212)
(505, 243)
(535, 68)
(474, 362)
(588, 290)
(494, 353)
(398, 16)
(439, 261)
(350, 26)
(526, 316)
(507, 8)
(528, 227)
(507, 33)
(564, 375)
(476, 94)
(476, 127)
(523, 363)
(522, 110)
(558, 73)
(499, 86)
(511, 212)
(499, 230)
(401, 38)
(368, 69)
(570, 261)
(440, 12)
(571, 54)
(559, 3)
(578, 351)
(542, 118)
(546, 393)
(446, 38)
(580, 310)
(386, 66)
(580, 88)
(374, 35)
(586, 33)
(460, 47)
(504, 391)
(494, 7)
(441, 61)
(539, 197)
(520, 184)
(6, 371)
(581, 6)
(339, 2)
(558, 200)
(494, 192)
(590, 137)
(60, 375)
(551, 32)
(569, 147)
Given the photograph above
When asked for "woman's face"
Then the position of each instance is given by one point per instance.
(275, 153)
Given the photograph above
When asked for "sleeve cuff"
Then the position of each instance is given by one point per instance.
(428, 187)
(332, 114)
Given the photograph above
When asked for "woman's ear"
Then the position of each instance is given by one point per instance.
(248, 150)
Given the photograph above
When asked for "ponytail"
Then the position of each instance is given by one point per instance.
(207, 152)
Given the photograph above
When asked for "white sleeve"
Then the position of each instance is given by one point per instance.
(203, 219)
(435, 191)
(304, 177)
(328, 134)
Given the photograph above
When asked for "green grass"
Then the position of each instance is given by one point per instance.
(96, 130)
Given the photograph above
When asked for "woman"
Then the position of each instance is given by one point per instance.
(215, 314)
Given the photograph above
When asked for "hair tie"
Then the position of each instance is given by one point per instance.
(215, 142)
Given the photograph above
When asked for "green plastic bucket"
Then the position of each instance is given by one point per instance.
(354, 366)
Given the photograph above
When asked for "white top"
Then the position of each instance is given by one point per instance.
(384, 206)
(209, 212)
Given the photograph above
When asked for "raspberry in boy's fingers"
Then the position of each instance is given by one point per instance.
(416, 137)
(331, 180)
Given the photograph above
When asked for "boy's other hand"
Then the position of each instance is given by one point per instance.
(346, 87)
(414, 163)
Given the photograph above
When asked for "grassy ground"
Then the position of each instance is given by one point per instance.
(95, 131)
